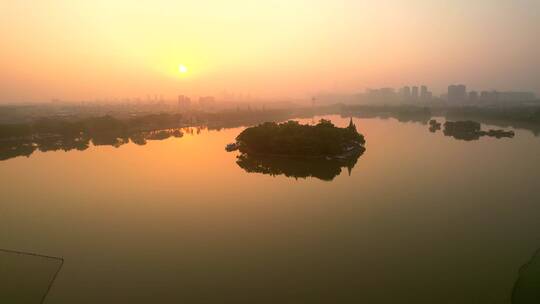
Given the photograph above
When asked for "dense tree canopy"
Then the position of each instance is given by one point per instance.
(293, 138)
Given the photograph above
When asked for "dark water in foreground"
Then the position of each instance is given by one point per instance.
(421, 218)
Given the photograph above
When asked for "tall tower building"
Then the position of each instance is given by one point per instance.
(457, 93)
(423, 92)
(414, 92)
(406, 92)
(473, 96)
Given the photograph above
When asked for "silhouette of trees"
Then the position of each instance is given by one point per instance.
(299, 151)
(471, 130)
(434, 125)
(15, 130)
(403, 113)
(292, 138)
(52, 134)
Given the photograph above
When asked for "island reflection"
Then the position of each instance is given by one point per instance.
(468, 130)
(321, 168)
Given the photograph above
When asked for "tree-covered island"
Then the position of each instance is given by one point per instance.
(297, 140)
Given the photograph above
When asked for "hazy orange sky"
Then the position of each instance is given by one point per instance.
(86, 50)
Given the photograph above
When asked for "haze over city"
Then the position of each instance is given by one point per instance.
(88, 50)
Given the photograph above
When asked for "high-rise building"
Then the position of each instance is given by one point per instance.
(184, 101)
(406, 93)
(424, 93)
(414, 93)
(473, 96)
(457, 93)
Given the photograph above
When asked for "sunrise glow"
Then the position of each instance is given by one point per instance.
(182, 69)
(77, 50)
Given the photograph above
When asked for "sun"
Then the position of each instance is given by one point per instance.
(182, 69)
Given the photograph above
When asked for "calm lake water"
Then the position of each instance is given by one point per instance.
(420, 218)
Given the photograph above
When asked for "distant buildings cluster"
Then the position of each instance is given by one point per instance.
(205, 102)
(412, 93)
(456, 94)
(405, 94)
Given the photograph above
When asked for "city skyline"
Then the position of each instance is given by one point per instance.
(423, 92)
